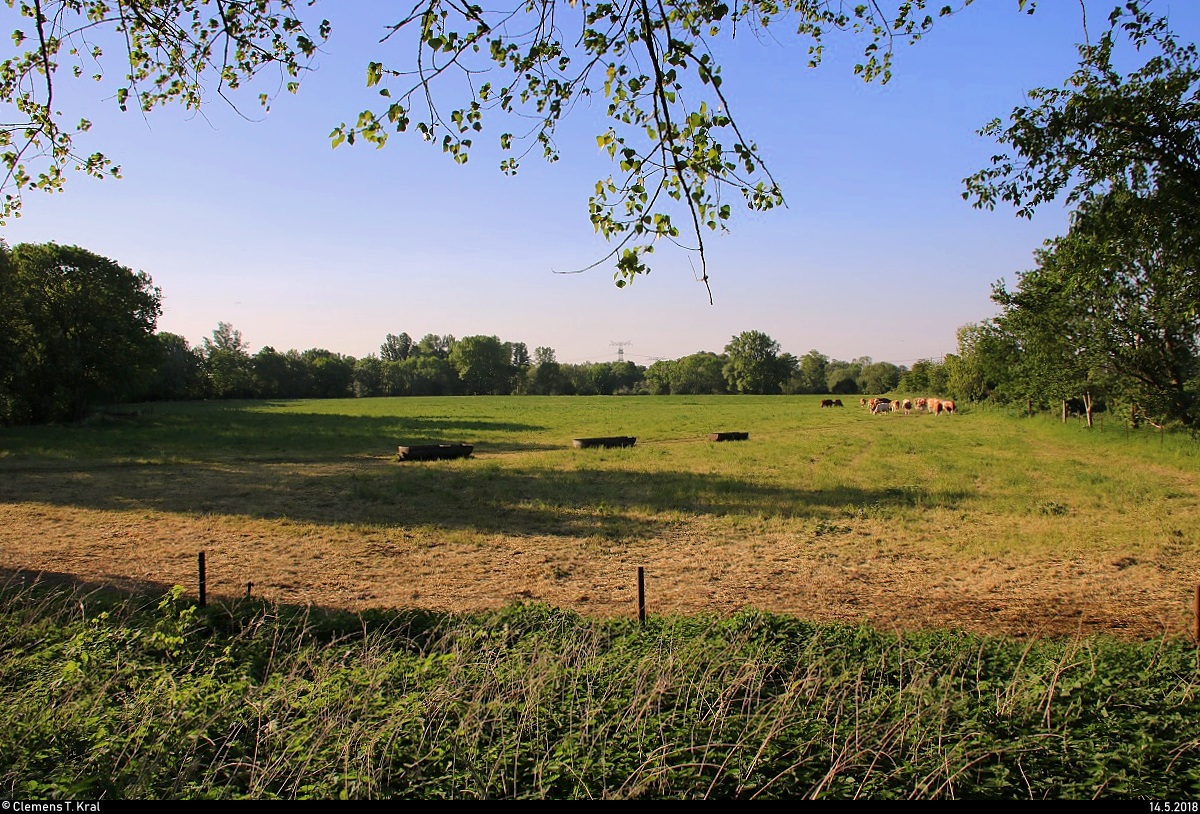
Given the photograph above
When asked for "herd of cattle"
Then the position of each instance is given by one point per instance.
(882, 405)
(935, 406)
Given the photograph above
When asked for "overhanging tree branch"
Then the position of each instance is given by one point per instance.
(670, 124)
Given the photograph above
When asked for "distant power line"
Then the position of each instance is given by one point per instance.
(620, 349)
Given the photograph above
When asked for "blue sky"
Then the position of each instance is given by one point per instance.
(260, 223)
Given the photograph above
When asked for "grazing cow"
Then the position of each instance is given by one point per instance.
(838, 403)
(932, 405)
(881, 406)
(826, 402)
(920, 403)
(946, 406)
(907, 405)
(863, 402)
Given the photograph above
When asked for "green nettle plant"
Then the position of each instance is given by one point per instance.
(128, 698)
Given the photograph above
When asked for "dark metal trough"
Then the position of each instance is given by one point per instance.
(431, 452)
(610, 441)
(728, 436)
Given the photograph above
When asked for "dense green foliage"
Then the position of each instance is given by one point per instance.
(167, 51)
(438, 365)
(754, 364)
(165, 367)
(138, 698)
(1110, 312)
(78, 330)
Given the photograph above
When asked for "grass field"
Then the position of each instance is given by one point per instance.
(980, 521)
(842, 606)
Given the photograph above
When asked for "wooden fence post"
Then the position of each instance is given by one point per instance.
(641, 595)
(203, 580)
(1196, 611)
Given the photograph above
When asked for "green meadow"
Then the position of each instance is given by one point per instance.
(1000, 482)
(145, 694)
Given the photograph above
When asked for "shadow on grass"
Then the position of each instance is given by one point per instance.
(116, 589)
(87, 598)
(246, 431)
(468, 494)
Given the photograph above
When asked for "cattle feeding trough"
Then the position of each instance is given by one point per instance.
(605, 441)
(728, 436)
(433, 452)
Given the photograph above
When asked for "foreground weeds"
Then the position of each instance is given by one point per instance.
(116, 697)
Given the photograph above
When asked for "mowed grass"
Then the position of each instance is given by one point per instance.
(810, 486)
(1048, 482)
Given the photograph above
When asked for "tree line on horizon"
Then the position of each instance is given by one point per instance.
(80, 333)
(443, 365)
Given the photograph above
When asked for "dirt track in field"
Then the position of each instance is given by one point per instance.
(841, 578)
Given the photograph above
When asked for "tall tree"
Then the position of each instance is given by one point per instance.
(331, 375)
(276, 376)
(1104, 128)
(1049, 328)
(179, 371)
(546, 377)
(982, 367)
(843, 377)
(753, 364)
(1123, 147)
(84, 331)
(396, 348)
(699, 374)
(659, 375)
(434, 345)
(369, 377)
(916, 378)
(1113, 304)
(520, 363)
(878, 377)
(13, 326)
(427, 375)
(628, 377)
(230, 369)
(811, 374)
(483, 365)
